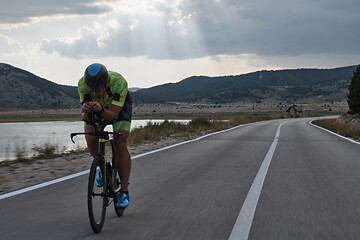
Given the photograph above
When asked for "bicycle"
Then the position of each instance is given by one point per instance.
(99, 198)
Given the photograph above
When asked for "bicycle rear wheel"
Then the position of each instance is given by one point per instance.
(115, 186)
(115, 181)
(119, 211)
(97, 199)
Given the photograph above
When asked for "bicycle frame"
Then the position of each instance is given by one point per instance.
(109, 172)
(110, 184)
(103, 139)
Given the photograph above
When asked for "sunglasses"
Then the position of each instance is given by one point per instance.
(96, 89)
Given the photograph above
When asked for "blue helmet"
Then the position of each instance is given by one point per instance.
(96, 76)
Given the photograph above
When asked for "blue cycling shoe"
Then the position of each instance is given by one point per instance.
(99, 180)
(123, 199)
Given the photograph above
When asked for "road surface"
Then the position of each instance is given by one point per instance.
(281, 179)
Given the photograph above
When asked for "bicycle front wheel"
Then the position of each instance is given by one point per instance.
(97, 199)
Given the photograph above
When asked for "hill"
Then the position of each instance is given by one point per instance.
(309, 85)
(23, 90)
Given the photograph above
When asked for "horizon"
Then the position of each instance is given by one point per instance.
(154, 42)
(131, 87)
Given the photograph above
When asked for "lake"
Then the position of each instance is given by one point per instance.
(24, 136)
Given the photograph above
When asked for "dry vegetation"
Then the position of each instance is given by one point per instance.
(176, 110)
(205, 118)
(144, 139)
(197, 126)
(346, 125)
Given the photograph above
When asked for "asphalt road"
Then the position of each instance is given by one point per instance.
(198, 190)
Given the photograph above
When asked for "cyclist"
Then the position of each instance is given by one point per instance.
(106, 94)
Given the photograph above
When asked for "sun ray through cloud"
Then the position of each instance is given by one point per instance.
(174, 39)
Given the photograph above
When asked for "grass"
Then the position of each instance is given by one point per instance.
(149, 133)
(340, 127)
(171, 129)
(157, 131)
(197, 126)
(48, 151)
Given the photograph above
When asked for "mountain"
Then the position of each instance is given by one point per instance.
(20, 89)
(282, 85)
(135, 89)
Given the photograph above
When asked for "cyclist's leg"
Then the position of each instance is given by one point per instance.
(123, 160)
(91, 141)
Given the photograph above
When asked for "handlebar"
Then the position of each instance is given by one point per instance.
(98, 134)
(97, 123)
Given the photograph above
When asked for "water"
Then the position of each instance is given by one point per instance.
(23, 137)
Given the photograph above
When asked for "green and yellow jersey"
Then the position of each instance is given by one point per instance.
(117, 93)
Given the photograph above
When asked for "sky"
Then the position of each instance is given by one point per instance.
(153, 42)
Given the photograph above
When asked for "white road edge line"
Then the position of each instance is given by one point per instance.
(241, 229)
(10, 194)
(346, 138)
(31, 188)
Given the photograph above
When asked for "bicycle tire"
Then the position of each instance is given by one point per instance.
(96, 207)
(119, 211)
(116, 185)
(115, 181)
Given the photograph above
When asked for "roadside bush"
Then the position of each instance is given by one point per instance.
(354, 93)
(155, 131)
(48, 150)
(199, 122)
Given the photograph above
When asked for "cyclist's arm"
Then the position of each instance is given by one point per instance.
(85, 117)
(111, 113)
(107, 114)
(120, 91)
(85, 100)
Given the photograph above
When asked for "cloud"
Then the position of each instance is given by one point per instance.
(17, 11)
(70, 46)
(194, 29)
(9, 45)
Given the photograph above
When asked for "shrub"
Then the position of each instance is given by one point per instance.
(48, 150)
(354, 93)
(196, 122)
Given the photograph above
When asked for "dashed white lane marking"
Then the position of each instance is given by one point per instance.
(244, 221)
